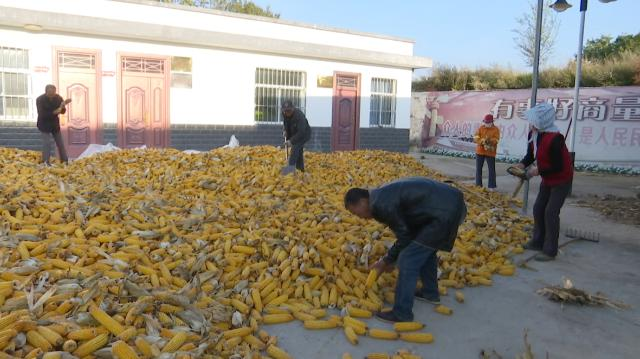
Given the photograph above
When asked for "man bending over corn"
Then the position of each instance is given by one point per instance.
(424, 215)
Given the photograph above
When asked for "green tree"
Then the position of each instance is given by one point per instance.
(237, 6)
(525, 40)
(605, 47)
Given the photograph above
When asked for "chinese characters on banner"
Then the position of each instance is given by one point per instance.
(608, 121)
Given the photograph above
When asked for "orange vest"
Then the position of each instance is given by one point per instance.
(487, 139)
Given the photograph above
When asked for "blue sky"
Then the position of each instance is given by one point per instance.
(467, 33)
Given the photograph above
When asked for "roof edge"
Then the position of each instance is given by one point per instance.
(266, 19)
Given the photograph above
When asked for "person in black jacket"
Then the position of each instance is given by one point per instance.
(50, 105)
(424, 215)
(297, 132)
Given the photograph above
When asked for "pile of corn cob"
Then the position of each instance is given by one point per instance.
(158, 253)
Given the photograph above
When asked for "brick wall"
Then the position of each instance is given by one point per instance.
(24, 135)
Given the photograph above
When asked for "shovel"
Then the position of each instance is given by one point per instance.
(287, 169)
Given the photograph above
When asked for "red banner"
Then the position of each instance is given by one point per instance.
(608, 125)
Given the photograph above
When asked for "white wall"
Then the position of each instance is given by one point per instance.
(217, 21)
(223, 81)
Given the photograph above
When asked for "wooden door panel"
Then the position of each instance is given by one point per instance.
(346, 102)
(135, 106)
(77, 79)
(143, 107)
(157, 113)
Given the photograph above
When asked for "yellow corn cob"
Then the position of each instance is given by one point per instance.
(35, 339)
(277, 318)
(128, 334)
(371, 278)
(443, 309)
(507, 270)
(351, 335)
(121, 350)
(302, 316)
(254, 342)
(7, 320)
(358, 313)
(277, 353)
(377, 356)
(103, 318)
(84, 334)
(459, 296)
(320, 324)
(244, 249)
(354, 322)
(257, 300)
(52, 337)
(175, 343)
(92, 345)
(240, 306)
(318, 313)
(347, 356)
(144, 347)
(238, 332)
(35, 353)
(410, 356)
(417, 337)
(278, 300)
(52, 355)
(383, 334)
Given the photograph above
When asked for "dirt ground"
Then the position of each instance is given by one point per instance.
(618, 209)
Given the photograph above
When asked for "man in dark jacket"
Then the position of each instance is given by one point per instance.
(424, 215)
(296, 132)
(50, 105)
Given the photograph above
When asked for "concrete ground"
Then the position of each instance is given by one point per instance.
(494, 318)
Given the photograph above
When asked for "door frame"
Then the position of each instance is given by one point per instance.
(98, 67)
(167, 97)
(358, 76)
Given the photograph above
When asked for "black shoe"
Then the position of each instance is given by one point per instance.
(388, 317)
(531, 246)
(419, 296)
(541, 257)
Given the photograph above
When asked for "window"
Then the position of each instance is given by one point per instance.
(275, 86)
(383, 103)
(181, 72)
(14, 83)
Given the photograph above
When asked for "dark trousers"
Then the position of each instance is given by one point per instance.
(491, 163)
(546, 216)
(47, 144)
(296, 157)
(415, 261)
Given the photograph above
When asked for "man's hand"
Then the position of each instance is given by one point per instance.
(287, 143)
(57, 111)
(519, 165)
(66, 102)
(533, 171)
(381, 266)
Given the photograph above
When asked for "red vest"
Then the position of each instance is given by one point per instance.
(543, 156)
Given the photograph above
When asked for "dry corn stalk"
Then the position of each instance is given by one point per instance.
(164, 251)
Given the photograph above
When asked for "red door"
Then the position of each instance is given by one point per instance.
(346, 112)
(143, 116)
(78, 78)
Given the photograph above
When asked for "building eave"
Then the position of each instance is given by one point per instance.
(118, 29)
(264, 19)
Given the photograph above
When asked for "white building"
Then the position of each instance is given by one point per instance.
(144, 72)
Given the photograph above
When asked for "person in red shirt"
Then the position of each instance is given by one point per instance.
(487, 138)
(547, 147)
